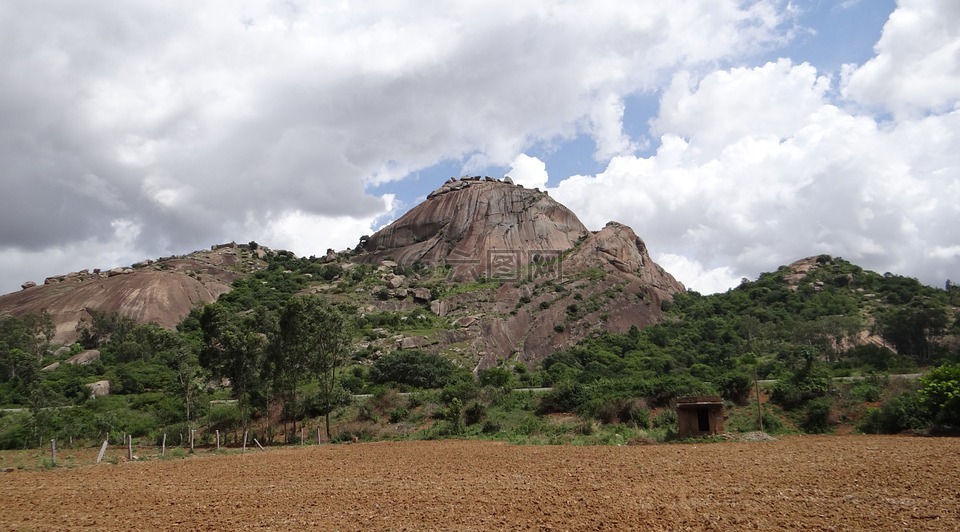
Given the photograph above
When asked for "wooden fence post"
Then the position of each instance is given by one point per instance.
(163, 446)
(130, 447)
(53, 450)
(218, 439)
(193, 433)
(244, 441)
(258, 444)
(318, 435)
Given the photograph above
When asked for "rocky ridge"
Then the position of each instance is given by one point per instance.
(509, 273)
(160, 291)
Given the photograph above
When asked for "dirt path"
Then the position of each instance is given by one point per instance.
(815, 483)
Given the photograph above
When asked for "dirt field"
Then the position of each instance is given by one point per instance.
(815, 483)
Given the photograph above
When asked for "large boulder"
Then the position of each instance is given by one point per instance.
(99, 388)
(84, 357)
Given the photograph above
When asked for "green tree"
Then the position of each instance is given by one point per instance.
(940, 393)
(413, 368)
(314, 338)
(102, 327)
(912, 329)
(234, 348)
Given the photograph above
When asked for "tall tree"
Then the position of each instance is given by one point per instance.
(314, 338)
(234, 347)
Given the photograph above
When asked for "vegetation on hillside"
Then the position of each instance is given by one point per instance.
(296, 341)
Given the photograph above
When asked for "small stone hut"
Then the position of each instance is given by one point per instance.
(699, 415)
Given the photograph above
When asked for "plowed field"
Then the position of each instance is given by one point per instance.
(814, 483)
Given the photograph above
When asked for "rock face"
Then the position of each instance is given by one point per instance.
(160, 292)
(551, 281)
(477, 227)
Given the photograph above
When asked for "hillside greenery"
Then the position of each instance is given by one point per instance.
(293, 344)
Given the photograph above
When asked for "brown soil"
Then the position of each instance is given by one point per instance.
(830, 482)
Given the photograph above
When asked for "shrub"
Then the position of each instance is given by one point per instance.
(637, 414)
(399, 414)
(817, 416)
(940, 394)
(900, 413)
(413, 368)
(496, 377)
(867, 392)
(666, 419)
(464, 390)
(795, 389)
(475, 413)
(623, 410)
(735, 386)
(565, 397)
(224, 417)
(490, 427)
(455, 416)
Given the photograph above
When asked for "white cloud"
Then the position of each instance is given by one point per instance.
(695, 276)
(308, 234)
(196, 117)
(528, 171)
(757, 168)
(917, 66)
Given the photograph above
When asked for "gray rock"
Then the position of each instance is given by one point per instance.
(99, 388)
(84, 357)
(421, 294)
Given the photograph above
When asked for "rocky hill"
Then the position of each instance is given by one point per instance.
(543, 280)
(480, 228)
(506, 273)
(160, 291)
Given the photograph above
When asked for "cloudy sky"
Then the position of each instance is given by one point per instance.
(733, 135)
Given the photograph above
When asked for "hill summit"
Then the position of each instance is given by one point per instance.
(474, 225)
(550, 281)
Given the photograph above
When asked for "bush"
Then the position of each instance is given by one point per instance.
(14, 431)
(465, 390)
(735, 386)
(940, 394)
(867, 392)
(623, 410)
(666, 419)
(746, 421)
(475, 413)
(565, 397)
(795, 389)
(900, 413)
(455, 417)
(223, 417)
(490, 427)
(816, 418)
(662, 390)
(414, 368)
(496, 377)
(399, 414)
